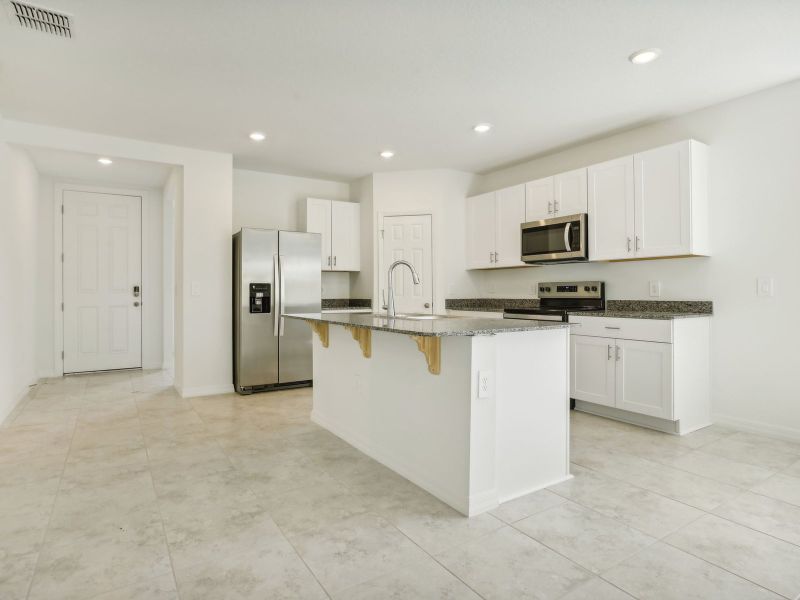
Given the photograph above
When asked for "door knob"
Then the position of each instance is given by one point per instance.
(427, 305)
(136, 304)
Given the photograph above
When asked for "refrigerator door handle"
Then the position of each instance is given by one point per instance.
(276, 302)
(281, 292)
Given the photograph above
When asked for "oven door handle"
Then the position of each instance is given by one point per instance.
(566, 237)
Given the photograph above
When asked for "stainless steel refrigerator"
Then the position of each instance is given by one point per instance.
(274, 273)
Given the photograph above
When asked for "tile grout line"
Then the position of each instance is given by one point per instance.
(158, 504)
(53, 506)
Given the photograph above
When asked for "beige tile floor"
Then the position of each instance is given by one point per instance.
(113, 487)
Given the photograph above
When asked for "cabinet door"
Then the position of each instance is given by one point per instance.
(509, 215)
(318, 220)
(611, 212)
(539, 197)
(662, 200)
(592, 371)
(571, 193)
(346, 236)
(480, 231)
(644, 377)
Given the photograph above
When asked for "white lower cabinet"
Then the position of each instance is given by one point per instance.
(652, 382)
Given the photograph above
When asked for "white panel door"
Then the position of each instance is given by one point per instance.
(480, 231)
(408, 237)
(571, 193)
(102, 237)
(662, 200)
(592, 370)
(345, 236)
(539, 197)
(509, 215)
(611, 211)
(644, 377)
(318, 220)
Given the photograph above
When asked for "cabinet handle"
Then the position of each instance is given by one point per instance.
(334, 261)
(618, 353)
(638, 243)
(610, 327)
(329, 261)
(491, 255)
(629, 244)
(496, 255)
(555, 207)
(549, 208)
(609, 352)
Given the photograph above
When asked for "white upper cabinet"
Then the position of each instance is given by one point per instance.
(493, 228)
(649, 205)
(338, 223)
(556, 196)
(670, 201)
(539, 197)
(346, 236)
(611, 211)
(480, 231)
(509, 215)
(570, 193)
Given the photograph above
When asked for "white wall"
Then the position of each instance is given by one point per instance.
(203, 248)
(171, 195)
(18, 232)
(273, 201)
(755, 204)
(440, 193)
(362, 283)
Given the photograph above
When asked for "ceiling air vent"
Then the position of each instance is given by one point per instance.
(42, 19)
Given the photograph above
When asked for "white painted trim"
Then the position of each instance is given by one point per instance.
(377, 300)
(17, 404)
(58, 247)
(776, 431)
(536, 488)
(205, 390)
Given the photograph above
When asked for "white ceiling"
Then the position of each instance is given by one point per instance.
(84, 167)
(332, 83)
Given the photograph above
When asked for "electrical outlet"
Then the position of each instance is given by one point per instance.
(485, 384)
(655, 289)
(765, 287)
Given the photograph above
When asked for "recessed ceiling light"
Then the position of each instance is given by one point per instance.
(387, 154)
(257, 136)
(482, 127)
(105, 161)
(642, 57)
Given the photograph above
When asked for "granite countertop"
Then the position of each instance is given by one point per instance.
(346, 310)
(616, 309)
(448, 326)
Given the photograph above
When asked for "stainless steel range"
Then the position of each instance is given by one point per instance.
(558, 298)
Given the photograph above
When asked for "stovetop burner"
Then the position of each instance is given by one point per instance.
(556, 299)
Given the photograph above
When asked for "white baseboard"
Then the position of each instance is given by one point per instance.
(777, 431)
(398, 466)
(16, 403)
(205, 390)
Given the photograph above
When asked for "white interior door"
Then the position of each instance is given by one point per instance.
(408, 237)
(102, 237)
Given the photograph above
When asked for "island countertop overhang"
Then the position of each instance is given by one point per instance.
(444, 327)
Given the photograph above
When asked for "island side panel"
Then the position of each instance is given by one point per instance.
(391, 408)
(532, 404)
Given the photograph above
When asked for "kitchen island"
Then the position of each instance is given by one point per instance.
(475, 411)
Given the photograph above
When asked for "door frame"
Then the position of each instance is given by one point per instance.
(58, 271)
(377, 301)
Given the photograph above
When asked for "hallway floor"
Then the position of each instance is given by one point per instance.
(113, 487)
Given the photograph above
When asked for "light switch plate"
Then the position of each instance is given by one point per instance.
(655, 289)
(765, 287)
(485, 384)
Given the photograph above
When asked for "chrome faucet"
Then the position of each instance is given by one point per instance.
(390, 311)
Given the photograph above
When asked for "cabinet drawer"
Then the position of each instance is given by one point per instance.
(649, 330)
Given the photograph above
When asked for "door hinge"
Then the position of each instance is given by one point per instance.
(62, 307)
(62, 209)
(62, 355)
(382, 230)
(62, 257)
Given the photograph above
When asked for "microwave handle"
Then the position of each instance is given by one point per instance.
(566, 237)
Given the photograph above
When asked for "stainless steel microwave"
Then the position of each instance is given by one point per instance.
(560, 239)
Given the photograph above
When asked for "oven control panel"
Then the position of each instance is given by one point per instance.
(571, 289)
